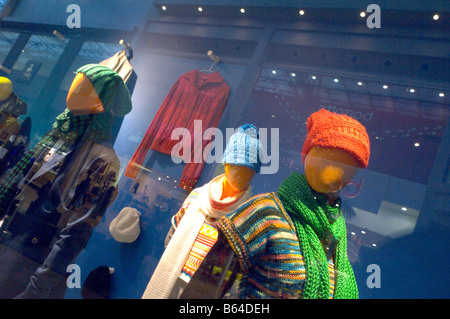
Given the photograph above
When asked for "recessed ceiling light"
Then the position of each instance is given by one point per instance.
(436, 17)
(416, 144)
(374, 245)
(301, 12)
(360, 83)
(274, 72)
(404, 209)
(164, 8)
(200, 9)
(293, 74)
(313, 77)
(385, 87)
(441, 94)
(363, 232)
(412, 90)
(362, 14)
(336, 80)
(242, 10)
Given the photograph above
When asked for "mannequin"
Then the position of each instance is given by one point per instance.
(59, 191)
(329, 170)
(237, 178)
(292, 244)
(193, 231)
(82, 98)
(14, 135)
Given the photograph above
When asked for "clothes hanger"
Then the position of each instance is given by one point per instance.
(127, 48)
(210, 70)
(215, 60)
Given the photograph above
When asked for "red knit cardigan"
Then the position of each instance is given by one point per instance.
(194, 96)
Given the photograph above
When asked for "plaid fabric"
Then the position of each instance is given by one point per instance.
(95, 127)
(10, 182)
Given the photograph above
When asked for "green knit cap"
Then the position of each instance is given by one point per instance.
(110, 88)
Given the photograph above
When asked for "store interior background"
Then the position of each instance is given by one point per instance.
(281, 66)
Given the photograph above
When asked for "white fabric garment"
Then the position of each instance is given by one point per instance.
(174, 257)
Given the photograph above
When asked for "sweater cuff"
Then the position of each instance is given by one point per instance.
(236, 242)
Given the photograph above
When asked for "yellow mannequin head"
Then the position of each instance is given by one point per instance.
(238, 177)
(82, 97)
(327, 170)
(5, 88)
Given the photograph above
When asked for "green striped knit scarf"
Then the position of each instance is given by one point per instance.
(317, 222)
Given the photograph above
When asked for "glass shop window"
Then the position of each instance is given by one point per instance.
(7, 40)
(405, 124)
(39, 57)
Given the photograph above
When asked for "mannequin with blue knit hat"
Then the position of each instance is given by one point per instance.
(193, 231)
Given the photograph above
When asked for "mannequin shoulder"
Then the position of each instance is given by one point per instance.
(260, 206)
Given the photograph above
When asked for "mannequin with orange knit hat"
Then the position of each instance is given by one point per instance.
(292, 243)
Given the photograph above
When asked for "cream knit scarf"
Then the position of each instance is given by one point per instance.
(177, 251)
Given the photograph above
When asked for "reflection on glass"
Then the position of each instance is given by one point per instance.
(43, 49)
(405, 124)
(7, 40)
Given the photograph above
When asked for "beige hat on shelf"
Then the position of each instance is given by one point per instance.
(125, 227)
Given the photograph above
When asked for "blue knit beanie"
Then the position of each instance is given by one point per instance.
(244, 148)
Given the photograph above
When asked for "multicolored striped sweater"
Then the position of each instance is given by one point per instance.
(265, 241)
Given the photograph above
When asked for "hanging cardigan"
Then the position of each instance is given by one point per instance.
(187, 247)
(195, 96)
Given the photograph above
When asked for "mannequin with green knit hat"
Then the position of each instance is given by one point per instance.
(58, 192)
(293, 243)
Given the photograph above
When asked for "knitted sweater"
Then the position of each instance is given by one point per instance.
(263, 237)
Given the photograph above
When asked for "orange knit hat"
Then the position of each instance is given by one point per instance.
(339, 131)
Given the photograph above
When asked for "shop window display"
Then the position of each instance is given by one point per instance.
(7, 40)
(155, 215)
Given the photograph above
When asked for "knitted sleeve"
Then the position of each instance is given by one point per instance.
(156, 127)
(213, 112)
(253, 227)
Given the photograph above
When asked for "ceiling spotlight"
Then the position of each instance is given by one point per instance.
(436, 17)
(164, 8)
(363, 232)
(362, 14)
(274, 72)
(404, 209)
(360, 83)
(293, 75)
(374, 245)
(416, 144)
(313, 77)
(301, 12)
(336, 80)
(385, 87)
(412, 90)
(200, 9)
(242, 10)
(441, 94)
